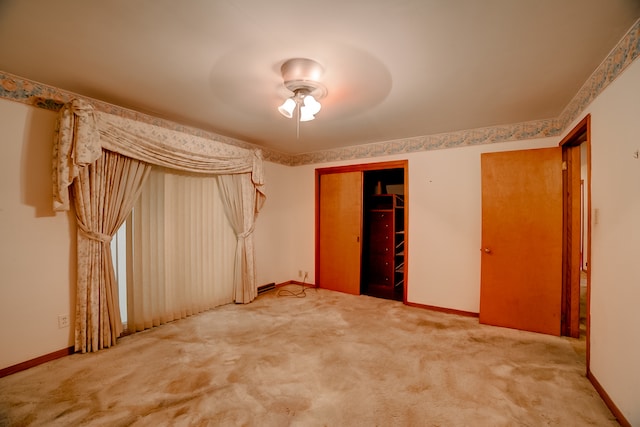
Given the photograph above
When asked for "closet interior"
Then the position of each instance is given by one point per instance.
(383, 249)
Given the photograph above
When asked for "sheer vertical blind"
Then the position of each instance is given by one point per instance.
(183, 250)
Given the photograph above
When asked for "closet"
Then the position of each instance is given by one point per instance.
(361, 229)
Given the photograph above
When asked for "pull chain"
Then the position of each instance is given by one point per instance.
(297, 120)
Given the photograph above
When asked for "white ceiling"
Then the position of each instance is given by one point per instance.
(393, 69)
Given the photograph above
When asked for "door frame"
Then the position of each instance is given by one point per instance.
(394, 164)
(580, 134)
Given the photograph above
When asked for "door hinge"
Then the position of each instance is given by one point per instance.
(564, 165)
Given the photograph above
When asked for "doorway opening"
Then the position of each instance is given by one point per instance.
(576, 258)
(383, 260)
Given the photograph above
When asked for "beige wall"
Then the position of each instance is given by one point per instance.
(445, 224)
(285, 227)
(274, 242)
(444, 221)
(615, 258)
(35, 243)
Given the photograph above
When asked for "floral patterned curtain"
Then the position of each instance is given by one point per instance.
(104, 194)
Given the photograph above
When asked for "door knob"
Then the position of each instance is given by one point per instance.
(487, 250)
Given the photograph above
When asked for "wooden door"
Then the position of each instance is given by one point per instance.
(571, 242)
(521, 267)
(340, 231)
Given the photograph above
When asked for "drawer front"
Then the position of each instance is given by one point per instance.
(381, 242)
(381, 216)
(380, 269)
(381, 232)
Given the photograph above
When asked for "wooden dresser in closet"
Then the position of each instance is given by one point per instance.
(384, 267)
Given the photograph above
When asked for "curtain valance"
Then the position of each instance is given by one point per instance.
(82, 133)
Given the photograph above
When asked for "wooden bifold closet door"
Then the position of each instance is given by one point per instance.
(340, 231)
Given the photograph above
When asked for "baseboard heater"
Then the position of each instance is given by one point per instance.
(266, 288)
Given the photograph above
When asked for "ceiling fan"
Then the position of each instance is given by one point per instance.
(301, 76)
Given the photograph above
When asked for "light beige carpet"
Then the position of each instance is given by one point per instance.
(329, 359)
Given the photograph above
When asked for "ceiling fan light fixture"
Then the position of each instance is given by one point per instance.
(300, 76)
(306, 115)
(311, 104)
(287, 108)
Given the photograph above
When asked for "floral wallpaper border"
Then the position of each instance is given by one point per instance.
(39, 95)
(488, 135)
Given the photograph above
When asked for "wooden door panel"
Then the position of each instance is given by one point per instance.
(573, 235)
(340, 230)
(521, 261)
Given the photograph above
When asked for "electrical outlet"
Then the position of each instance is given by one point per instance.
(299, 273)
(63, 321)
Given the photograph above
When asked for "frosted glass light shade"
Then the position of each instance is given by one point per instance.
(305, 114)
(311, 104)
(287, 108)
(307, 104)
